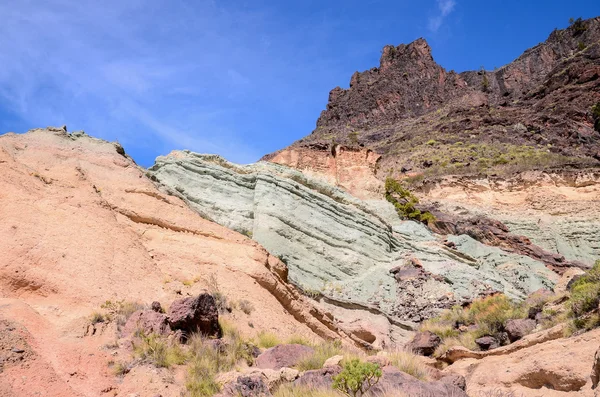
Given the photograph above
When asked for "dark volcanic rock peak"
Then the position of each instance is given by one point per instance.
(407, 83)
(534, 113)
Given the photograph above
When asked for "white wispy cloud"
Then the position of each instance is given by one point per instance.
(444, 8)
(178, 73)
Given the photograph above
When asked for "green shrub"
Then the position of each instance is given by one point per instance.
(357, 378)
(466, 339)
(581, 46)
(96, 318)
(431, 142)
(246, 306)
(120, 368)
(158, 351)
(322, 352)
(596, 116)
(206, 361)
(578, 25)
(298, 340)
(492, 312)
(120, 311)
(267, 340)
(585, 292)
(405, 202)
(409, 363)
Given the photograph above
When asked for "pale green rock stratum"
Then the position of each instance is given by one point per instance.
(341, 246)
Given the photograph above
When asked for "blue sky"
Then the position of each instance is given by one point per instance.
(238, 78)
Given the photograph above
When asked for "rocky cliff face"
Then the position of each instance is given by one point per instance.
(533, 113)
(81, 225)
(558, 211)
(359, 255)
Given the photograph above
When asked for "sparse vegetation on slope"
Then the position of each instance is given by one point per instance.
(322, 352)
(357, 378)
(405, 202)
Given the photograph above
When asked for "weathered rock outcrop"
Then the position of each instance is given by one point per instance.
(80, 224)
(557, 210)
(196, 314)
(344, 247)
(282, 356)
(553, 367)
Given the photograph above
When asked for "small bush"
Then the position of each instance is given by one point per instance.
(431, 142)
(596, 116)
(466, 340)
(120, 368)
(585, 292)
(409, 363)
(578, 25)
(298, 340)
(267, 340)
(357, 378)
(120, 311)
(97, 317)
(491, 313)
(246, 306)
(159, 351)
(405, 202)
(440, 328)
(206, 361)
(322, 352)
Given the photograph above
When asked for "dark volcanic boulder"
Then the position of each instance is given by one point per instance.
(394, 380)
(516, 329)
(487, 343)
(424, 343)
(318, 378)
(196, 314)
(455, 380)
(246, 386)
(283, 356)
(148, 322)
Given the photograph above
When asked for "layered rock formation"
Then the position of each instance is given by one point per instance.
(358, 254)
(80, 225)
(558, 211)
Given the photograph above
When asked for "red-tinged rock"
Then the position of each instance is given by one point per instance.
(196, 314)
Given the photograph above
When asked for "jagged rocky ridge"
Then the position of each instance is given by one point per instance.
(423, 120)
(352, 251)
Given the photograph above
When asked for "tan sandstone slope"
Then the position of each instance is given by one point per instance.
(81, 224)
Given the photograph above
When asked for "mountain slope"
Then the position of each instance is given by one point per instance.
(535, 112)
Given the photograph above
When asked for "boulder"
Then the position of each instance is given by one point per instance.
(382, 361)
(487, 343)
(395, 381)
(283, 356)
(455, 380)
(196, 314)
(318, 378)
(333, 361)
(148, 322)
(156, 306)
(516, 329)
(246, 386)
(424, 343)
(276, 377)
